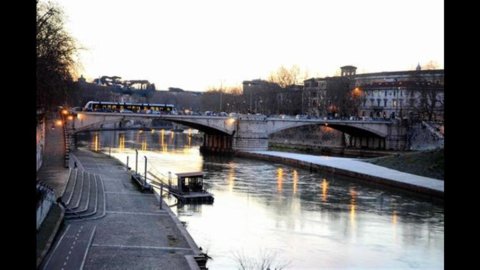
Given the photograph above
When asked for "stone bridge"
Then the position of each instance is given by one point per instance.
(250, 132)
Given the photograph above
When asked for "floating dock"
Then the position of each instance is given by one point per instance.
(186, 187)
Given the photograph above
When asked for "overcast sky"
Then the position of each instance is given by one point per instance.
(195, 44)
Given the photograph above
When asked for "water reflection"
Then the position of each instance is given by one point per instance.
(295, 181)
(394, 217)
(121, 141)
(162, 141)
(279, 179)
(144, 144)
(96, 144)
(324, 190)
(353, 195)
(189, 133)
(311, 221)
(231, 177)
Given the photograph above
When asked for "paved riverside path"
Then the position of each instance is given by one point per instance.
(355, 166)
(126, 230)
(55, 175)
(53, 171)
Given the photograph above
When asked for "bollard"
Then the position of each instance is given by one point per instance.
(127, 163)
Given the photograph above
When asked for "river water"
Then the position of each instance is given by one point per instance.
(286, 216)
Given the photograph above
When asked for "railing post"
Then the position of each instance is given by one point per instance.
(127, 163)
(160, 197)
(169, 179)
(145, 182)
(136, 160)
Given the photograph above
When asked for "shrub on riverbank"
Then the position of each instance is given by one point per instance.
(425, 163)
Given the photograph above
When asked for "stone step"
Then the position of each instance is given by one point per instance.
(93, 205)
(78, 193)
(71, 182)
(88, 191)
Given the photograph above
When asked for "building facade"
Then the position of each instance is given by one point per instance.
(397, 94)
(418, 93)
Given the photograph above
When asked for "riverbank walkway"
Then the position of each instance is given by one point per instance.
(104, 220)
(54, 174)
(359, 169)
(110, 224)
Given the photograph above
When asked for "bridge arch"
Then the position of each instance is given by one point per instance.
(354, 129)
(219, 125)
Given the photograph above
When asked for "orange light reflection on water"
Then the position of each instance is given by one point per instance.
(295, 181)
(324, 189)
(144, 144)
(189, 137)
(121, 141)
(96, 142)
(231, 177)
(279, 179)
(353, 205)
(163, 146)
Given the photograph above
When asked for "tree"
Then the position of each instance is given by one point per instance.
(286, 77)
(430, 97)
(55, 50)
(223, 99)
(431, 65)
(339, 97)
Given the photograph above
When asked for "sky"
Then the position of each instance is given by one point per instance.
(198, 44)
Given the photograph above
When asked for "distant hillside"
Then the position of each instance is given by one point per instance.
(425, 163)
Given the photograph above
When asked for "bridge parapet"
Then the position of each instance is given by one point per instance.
(250, 132)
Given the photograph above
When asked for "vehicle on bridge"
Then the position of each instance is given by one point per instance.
(121, 107)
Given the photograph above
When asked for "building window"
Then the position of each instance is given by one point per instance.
(385, 102)
(378, 102)
(394, 103)
(385, 92)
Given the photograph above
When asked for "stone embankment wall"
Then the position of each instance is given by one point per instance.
(424, 136)
(40, 140)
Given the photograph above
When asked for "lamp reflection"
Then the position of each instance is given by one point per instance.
(279, 179)
(324, 189)
(353, 205)
(162, 141)
(231, 177)
(121, 140)
(96, 142)
(144, 144)
(295, 181)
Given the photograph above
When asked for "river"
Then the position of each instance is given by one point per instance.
(286, 216)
